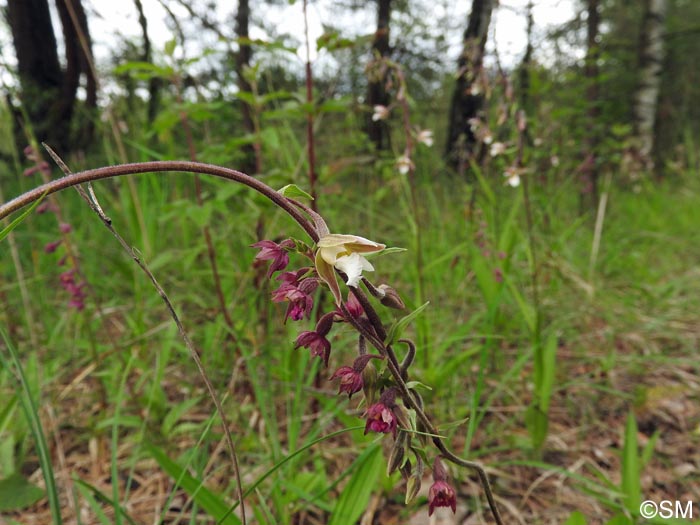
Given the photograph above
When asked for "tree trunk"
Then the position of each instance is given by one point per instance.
(525, 65)
(651, 56)
(252, 161)
(377, 130)
(40, 74)
(467, 100)
(48, 93)
(78, 47)
(589, 166)
(153, 83)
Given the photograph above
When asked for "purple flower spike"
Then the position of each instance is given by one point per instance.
(277, 253)
(317, 343)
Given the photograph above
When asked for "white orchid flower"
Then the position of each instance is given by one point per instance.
(380, 113)
(513, 174)
(404, 164)
(425, 136)
(344, 252)
(497, 148)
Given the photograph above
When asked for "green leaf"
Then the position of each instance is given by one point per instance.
(631, 471)
(399, 326)
(6, 231)
(212, 503)
(576, 518)
(31, 412)
(537, 424)
(169, 47)
(17, 493)
(293, 191)
(412, 385)
(620, 519)
(353, 500)
(385, 251)
(648, 449)
(172, 417)
(548, 370)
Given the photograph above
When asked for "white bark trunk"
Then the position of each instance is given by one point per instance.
(651, 56)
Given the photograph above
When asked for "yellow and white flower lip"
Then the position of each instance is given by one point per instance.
(344, 252)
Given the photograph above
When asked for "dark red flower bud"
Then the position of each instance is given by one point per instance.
(354, 306)
(51, 247)
(441, 494)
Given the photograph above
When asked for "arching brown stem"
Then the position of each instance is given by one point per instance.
(159, 166)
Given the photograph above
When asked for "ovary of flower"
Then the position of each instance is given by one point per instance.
(425, 136)
(344, 252)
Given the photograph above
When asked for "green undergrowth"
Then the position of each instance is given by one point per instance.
(117, 378)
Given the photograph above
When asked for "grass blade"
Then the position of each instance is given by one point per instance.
(212, 503)
(32, 414)
(353, 500)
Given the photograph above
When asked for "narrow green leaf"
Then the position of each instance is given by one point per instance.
(32, 414)
(399, 326)
(353, 500)
(527, 311)
(548, 372)
(6, 231)
(87, 494)
(631, 487)
(99, 496)
(385, 251)
(648, 449)
(212, 503)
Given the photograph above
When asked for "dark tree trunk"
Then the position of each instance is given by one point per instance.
(40, 74)
(48, 92)
(589, 166)
(377, 130)
(467, 102)
(252, 161)
(526, 63)
(153, 83)
(78, 62)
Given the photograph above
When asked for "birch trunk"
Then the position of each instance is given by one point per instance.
(651, 56)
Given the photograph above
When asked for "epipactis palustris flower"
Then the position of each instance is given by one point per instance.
(344, 252)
